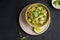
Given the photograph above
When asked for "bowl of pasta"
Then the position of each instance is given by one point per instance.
(37, 15)
(34, 19)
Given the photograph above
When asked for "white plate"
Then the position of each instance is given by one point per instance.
(26, 27)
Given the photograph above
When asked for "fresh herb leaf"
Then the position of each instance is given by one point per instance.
(20, 34)
(21, 37)
(54, 2)
(33, 15)
(59, 2)
(39, 14)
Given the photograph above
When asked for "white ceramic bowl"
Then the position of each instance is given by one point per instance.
(57, 7)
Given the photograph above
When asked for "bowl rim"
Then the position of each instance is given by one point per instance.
(43, 6)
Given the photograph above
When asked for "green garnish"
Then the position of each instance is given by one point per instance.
(36, 13)
(39, 14)
(54, 2)
(57, 2)
(32, 15)
(21, 37)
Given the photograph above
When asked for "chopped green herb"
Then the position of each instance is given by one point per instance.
(59, 2)
(33, 15)
(54, 2)
(39, 14)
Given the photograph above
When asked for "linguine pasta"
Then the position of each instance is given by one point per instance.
(37, 15)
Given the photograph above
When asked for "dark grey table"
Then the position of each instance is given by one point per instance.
(9, 25)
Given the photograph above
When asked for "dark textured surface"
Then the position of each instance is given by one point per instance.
(9, 12)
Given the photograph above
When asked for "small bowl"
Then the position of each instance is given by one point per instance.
(47, 13)
(56, 7)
